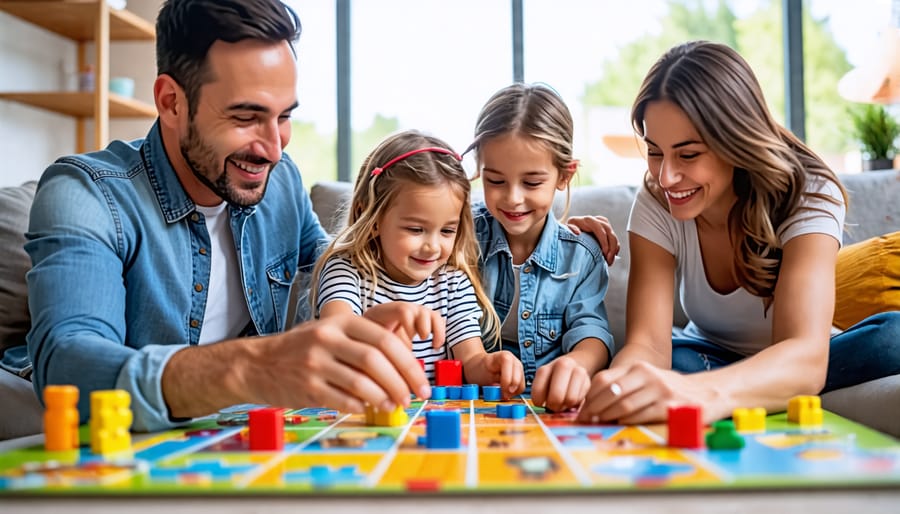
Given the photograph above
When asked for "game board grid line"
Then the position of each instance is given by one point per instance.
(199, 445)
(381, 468)
(283, 455)
(472, 471)
(579, 472)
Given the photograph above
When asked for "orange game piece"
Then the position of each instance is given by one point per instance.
(61, 418)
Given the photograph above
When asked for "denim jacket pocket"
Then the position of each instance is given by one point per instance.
(550, 328)
(280, 275)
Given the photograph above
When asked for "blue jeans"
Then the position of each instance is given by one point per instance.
(866, 351)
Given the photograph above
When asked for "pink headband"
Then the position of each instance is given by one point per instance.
(377, 171)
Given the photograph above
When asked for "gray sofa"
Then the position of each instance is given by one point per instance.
(874, 210)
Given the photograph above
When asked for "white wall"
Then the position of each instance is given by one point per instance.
(33, 59)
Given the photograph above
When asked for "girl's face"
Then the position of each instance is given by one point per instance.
(697, 183)
(418, 232)
(520, 181)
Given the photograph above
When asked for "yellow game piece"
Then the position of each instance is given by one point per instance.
(749, 419)
(805, 411)
(110, 420)
(60, 418)
(379, 418)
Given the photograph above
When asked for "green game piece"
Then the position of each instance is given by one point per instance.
(724, 437)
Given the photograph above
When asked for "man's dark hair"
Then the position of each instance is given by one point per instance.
(186, 29)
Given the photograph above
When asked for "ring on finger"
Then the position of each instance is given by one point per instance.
(615, 389)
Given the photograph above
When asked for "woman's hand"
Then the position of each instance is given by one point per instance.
(643, 393)
(601, 229)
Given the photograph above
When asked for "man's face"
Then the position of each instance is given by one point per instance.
(241, 123)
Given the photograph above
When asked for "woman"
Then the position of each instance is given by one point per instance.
(749, 220)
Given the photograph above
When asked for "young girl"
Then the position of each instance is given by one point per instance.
(749, 221)
(410, 239)
(546, 283)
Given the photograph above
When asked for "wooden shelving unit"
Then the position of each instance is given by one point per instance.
(85, 21)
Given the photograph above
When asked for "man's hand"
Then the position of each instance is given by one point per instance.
(341, 362)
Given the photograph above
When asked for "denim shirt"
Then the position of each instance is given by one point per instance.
(120, 268)
(561, 290)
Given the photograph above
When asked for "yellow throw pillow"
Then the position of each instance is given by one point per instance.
(867, 279)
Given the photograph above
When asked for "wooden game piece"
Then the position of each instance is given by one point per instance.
(454, 392)
(685, 424)
(724, 437)
(394, 418)
(469, 392)
(504, 410)
(438, 392)
(266, 429)
(491, 393)
(805, 411)
(442, 429)
(61, 418)
(749, 420)
(110, 422)
(448, 373)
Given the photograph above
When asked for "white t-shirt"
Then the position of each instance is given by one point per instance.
(226, 312)
(448, 291)
(737, 320)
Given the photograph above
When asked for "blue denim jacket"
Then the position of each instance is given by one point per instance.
(120, 268)
(561, 289)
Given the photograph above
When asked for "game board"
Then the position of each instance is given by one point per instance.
(329, 452)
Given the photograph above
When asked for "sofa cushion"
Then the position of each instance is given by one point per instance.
(867, 279)
(15, 204)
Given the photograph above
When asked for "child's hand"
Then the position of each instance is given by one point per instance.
(497, 368)
(601, 229)
(560, 385)
(408, 319)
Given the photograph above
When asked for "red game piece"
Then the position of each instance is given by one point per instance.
(685, 427)
(448, 373)
(266, 429)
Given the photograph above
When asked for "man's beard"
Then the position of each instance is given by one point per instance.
(201, 157)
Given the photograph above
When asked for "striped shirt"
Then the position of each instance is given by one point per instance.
(448, 291)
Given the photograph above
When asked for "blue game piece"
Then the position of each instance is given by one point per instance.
(442, 429)
(517, 411)
(438, 392)
(504, 410)
(454, 392)
(491, 393)
(469, 392)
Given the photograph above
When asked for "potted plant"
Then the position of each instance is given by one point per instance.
(876, 131)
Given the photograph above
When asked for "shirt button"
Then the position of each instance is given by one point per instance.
(526, 269)
(552, 334)
(203, 251)
(526, 315)
(527, 343)
(195, 217)
(249, 291)
(198, 287)
(195, 323)
(287, 275)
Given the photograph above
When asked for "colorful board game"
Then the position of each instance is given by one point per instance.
(328, 452)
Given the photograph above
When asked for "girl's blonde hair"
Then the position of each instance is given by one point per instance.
(717, 90)
(375, 193)
(534, 111)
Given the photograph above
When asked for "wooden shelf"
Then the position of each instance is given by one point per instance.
(76, 19)
(81, 104)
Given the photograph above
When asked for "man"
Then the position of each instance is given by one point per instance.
(145, 251)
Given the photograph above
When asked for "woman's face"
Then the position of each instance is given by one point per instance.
(697, 183)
